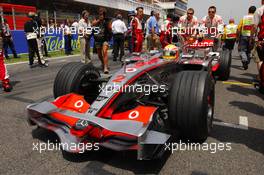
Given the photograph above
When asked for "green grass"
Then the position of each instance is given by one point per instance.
(24, 57)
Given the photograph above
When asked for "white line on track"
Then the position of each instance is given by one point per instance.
(243, 123)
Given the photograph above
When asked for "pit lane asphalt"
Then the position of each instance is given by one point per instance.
(232, 101)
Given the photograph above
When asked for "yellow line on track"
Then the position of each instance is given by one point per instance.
(238, 83)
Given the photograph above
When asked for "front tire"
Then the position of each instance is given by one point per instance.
(191, 105)
(75, 77)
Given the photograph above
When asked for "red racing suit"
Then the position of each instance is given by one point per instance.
(166, 33)
(3, 73)
(261, 50)
(137, 35)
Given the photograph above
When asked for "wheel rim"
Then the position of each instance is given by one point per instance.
(86, 88)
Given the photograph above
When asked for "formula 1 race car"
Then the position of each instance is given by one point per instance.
(202, 50)
(141, 107)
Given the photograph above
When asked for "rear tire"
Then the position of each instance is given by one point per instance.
(191, 105)
(261, 83)
(74, 78)
(224, 70)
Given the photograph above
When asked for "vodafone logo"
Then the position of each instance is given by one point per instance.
(133, 115)
(78, 104)
(131, 70)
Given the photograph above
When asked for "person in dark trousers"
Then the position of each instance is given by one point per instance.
(119, 29)
(244, 31)
(8, 40)
(67, 37)
(31, 29)
(45, 49)
(131, 15)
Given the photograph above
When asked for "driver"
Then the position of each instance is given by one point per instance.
(171, 52)
(213, 26)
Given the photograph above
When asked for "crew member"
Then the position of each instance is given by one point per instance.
(32, 30)
(259, 24)
(230, 35)
(166, 33)
(8, 40)
(4, 77)
(188, 24)
(137, 30)
(245, 44)
(189, 21)
(213, 24)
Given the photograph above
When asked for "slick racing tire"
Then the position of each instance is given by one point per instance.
(224, 70)
(261, 83)
(191, 105)
(75, 77)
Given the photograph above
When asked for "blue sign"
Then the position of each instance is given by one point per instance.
(54, 41)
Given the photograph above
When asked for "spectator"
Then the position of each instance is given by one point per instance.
(44, 44)
(84, 37)
(102, 38)
(75, 24)
(51, 23)
(119, 28)
(40, 37)
(67, 37)
(31, 36)
(8, 40)
(148, 36)
(153, 30)
(147, 22)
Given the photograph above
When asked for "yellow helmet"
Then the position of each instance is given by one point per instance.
(171, 52)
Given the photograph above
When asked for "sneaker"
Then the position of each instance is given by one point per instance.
(106, 71)
(43, 65)
(261, 90)
(6, 85)
(245, 65)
